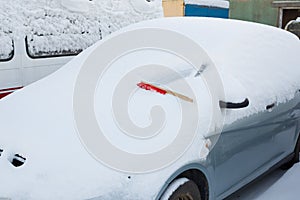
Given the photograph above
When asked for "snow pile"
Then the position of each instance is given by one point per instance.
(76, 5)
(209, 3)
(68, 26)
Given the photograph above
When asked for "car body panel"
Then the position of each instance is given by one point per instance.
(243, 150)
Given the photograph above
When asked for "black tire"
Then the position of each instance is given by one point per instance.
(297, 151)
(188, 191)
(295, 159)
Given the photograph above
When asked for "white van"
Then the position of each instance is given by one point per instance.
(36, 39)
(20, 67)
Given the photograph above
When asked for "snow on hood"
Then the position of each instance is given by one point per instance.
(38, 123)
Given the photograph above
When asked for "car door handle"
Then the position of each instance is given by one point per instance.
(270, 106)
(230, 105)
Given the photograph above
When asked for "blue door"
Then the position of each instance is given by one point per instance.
(204, 11)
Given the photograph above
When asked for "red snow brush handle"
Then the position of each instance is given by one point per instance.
(147, 86)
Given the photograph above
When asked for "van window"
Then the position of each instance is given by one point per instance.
(64, 35)
(43, 47)
(6, 48)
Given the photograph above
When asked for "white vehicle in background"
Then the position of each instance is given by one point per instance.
(37, 38)
(20, 68)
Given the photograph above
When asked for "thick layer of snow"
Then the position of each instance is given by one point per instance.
(58, 166)
(209, 3)
(58, 26)
(251, 60)
(38, 121)
(6, 47)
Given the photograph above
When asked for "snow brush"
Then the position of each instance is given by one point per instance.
(148, 86)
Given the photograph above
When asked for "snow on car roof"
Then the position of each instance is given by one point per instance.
(256, 61)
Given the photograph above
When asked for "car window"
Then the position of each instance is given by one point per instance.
(48, 46)
(294, 27)
(64, 35)
(6, 48)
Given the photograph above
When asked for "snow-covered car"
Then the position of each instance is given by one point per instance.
(173, 108)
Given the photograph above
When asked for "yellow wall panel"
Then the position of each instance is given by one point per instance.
(173, 8)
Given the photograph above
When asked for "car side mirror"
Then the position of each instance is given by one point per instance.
(230, 105)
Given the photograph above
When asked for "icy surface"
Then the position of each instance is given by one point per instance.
(209, 3)
(67, 26)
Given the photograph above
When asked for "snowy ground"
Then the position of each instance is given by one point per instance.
(279, 185)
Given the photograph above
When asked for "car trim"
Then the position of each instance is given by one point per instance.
(7, 91)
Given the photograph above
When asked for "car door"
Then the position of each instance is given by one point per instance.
(249, 146)
(287, 133)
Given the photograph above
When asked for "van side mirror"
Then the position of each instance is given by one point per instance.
(230, 105)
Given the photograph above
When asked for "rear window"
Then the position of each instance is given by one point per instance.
(6, 48)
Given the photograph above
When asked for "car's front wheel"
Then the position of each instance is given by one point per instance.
(187, 191)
